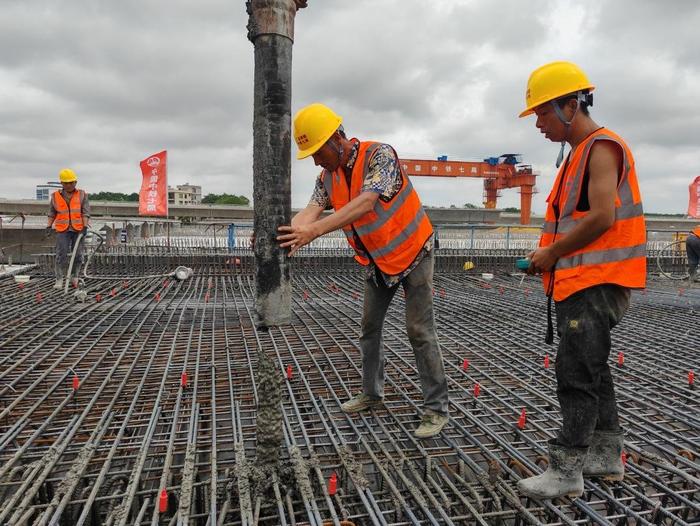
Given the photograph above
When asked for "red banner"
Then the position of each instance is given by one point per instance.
(153, 197)
(694, 201)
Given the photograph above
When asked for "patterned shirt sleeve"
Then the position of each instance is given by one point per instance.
(319, 197)
(383, 174)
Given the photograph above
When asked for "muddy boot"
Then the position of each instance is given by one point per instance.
(59, 283)
(604, 457)
(563, 476)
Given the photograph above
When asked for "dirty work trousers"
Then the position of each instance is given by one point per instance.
(65, 242)
(692, 247)
(420, 325)
(584, 383)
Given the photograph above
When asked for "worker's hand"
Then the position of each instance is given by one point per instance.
(542, 260)
(296, 237)
(48, 231)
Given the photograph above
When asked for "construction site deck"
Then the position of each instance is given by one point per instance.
(139, 404)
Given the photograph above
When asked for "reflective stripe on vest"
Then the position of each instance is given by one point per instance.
(393, 232)
(618, 256)
(68, 214)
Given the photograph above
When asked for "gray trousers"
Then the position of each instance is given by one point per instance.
(584, 383)
(692, 248)
(420, 325)
(65, 241)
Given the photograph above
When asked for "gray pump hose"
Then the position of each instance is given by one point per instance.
(181, 273)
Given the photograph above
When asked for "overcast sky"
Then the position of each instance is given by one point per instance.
(98, 85)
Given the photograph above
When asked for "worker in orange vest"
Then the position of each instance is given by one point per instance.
(69, 214)
(383, 219)
(692, 248)
(592, 252)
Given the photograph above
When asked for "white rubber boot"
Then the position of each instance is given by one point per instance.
(604, 457)
(563, 476)
(59, 283)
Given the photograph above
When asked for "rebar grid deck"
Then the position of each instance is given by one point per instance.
(143, 398)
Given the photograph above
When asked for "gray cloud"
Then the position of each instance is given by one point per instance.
(99, 85)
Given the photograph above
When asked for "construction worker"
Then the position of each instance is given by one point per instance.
(591, 253)
(69, 214)
(692, 248)
(381, 214)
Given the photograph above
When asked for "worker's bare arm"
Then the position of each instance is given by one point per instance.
(603, 169)
(308, 215)
(296, 236)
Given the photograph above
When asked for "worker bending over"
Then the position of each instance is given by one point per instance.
(591, 253)
(69, 213)
(379, 210)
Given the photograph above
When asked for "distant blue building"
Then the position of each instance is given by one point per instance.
(44, 191)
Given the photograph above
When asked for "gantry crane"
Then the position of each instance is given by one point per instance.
(504, 171)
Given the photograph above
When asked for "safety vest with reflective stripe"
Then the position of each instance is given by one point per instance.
(68, 214)
(394, 232)
(616, 257)
(696, 231)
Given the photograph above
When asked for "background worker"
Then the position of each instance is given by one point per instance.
(591, 253)
(381, 214)
(69, 213)
(692, 248)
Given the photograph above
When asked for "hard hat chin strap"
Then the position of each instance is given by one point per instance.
(580, 97)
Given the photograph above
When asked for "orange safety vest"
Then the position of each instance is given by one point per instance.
(619, 255)
(696, 231)
(68, 214)
(394, 232)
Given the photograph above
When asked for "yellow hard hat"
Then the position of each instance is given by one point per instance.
(551, 81)
(313, 126)
(67, 176)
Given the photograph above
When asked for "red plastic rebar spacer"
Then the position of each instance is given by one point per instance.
(306, 295)
(546, 361)
(98, 297)
(620, 359)
(691, 378)
(465, 364)
(623, 457)
(477, 390)
(166, 283)
(39, 297)
(76, 382)
(443, 294)
(332, 484)
(289, 372)
(21, 286)
(157, 296)
(163, 501)
(183, 380)
(501, 290)
(522, 419)
(114, 292)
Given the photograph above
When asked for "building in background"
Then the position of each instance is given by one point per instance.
(185, 194)
(44, 191)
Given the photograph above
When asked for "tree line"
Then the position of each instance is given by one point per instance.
(214, 199)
